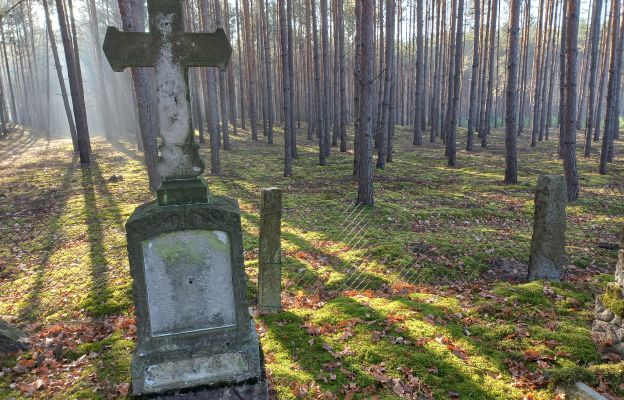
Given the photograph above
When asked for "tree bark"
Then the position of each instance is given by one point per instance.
(286, 88)
(593, 67)
(73, 71)
(365, 176)
(132, 19)
(452, 131)
(490, 90)
(475, 77)
(511, 153)
(569, 148)
(419, 101)
(388, 82)
(59, 74)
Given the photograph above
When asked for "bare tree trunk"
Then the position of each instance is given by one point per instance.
(511, 153)
(73, 71)
(490, 90)
(59, 74)
(525, 67)
(342, 76)
(250, 53)
(286, 87)
(6, 62)
(97, 50)
(419, 75)
(452, 131)
(365, 176)
(388, 82)
(317, 84)
(612, 90)
(569, 149)
(357, 95)
(539, 51)
(475, 77)
(132, 18)
(223, 102)
(241, 66)
(211, 99)
(291, 77)
(595, 42)
(562, 81)
(325, 60)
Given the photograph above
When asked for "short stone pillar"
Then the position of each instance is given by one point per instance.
(548, 242)
(270, 269)
(608, 325)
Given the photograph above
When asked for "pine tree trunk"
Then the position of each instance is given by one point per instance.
(525, 67)
(325, 60)
(475, 78)
(317, 84)
(511, 153)
(59, 74)
(357, 95)
(97, 50)
(8, 72)
(388, 82)
(223, 102)
(291, 77)
(365, 176)
(342, 77)
(419, 100)
(490, 91)
(132, 19)
(452, 131)
(73, 71)
(250, 54)
(286, 88)
(611, 122)
(593, 67)
(569, 148)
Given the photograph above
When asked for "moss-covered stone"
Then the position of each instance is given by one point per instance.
(613, 299)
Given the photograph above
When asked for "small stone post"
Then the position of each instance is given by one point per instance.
(270, 269)
(548, 242)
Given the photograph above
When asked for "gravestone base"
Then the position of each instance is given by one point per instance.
(194, 329)
(246, 391)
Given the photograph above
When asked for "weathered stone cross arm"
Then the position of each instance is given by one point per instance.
(142, 49)
(171, 50)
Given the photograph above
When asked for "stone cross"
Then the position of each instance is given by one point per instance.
(172, 51)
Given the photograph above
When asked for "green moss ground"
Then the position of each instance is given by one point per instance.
(63, 265)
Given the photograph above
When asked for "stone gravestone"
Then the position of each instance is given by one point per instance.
(548, 241)
(270, 268)
(196, 338)
(608, 324)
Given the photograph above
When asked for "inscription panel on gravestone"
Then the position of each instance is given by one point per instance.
(188, 275)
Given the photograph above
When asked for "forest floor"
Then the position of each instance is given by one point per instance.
(421, 296)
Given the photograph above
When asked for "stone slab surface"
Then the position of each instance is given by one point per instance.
(189, 281)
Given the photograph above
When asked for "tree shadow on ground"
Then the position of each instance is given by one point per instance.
(100, 301)
(123, 148)
(32, 302)
(16, 143)
(291, 332)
